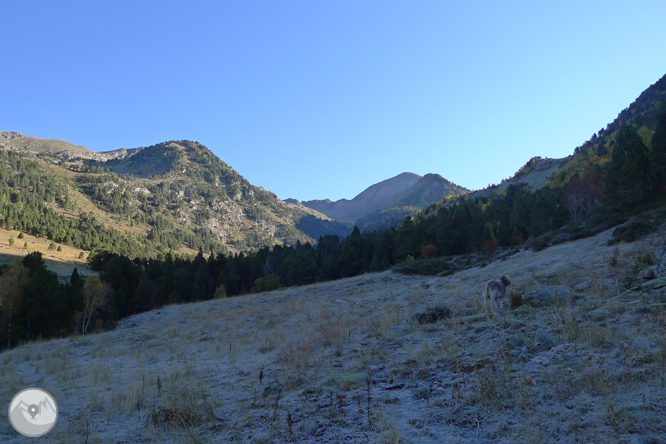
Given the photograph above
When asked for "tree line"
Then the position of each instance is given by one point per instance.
(33, 303)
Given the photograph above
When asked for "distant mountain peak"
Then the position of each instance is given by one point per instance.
(405, 189)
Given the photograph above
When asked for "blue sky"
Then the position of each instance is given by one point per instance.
(320, 99)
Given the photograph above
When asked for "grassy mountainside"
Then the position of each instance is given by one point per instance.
(378, 358)
(539, 172)
(173, 196)
(18, 141)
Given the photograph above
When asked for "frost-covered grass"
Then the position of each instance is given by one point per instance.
(347, 361)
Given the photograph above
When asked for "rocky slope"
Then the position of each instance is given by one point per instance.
(182, 183)
(60, 148)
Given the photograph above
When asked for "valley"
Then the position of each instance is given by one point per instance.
(369, 335)
(333, 222)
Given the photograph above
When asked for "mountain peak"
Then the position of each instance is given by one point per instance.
(405, 189)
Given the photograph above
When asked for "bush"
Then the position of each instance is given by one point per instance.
(25, 245)
(433, 315)
(631, 231)
(52, 246)
(220, 292)
(81, 255)
(540, 243)
(270, 283)
(21, 236)
(422, 266)
(516, 299)
(11, 241)
(59, 247)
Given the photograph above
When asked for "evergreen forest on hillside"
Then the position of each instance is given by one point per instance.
(597, 190)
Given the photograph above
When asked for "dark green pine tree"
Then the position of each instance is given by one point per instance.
(657, 155)
(627, 175)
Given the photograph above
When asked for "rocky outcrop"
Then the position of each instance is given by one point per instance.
(548, 295)
(103, 156)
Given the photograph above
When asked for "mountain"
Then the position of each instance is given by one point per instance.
(175, 195)
(179, 196)
(55, 148)
(384, 194)
(404, 193)
(428, 189)
(539, 172)
(18, 141)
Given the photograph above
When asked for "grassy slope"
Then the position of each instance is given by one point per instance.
(83, 203)
(442, 382)
(62, 262)
(158, 160)
(38, 145)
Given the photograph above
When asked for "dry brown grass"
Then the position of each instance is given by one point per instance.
(62, 262)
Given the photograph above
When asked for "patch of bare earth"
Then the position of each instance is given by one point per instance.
(347, 361)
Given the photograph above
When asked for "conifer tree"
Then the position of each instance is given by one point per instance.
(658, 154)
(627, 176)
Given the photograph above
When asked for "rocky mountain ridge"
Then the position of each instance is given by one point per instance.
(66, 150)
(403, 193)
(178, 191)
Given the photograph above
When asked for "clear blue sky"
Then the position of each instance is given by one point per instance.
(322, 98)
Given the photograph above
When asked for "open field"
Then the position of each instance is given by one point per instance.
(62, 262)
(347, 361)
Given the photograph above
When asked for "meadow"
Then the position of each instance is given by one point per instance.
(580, 356)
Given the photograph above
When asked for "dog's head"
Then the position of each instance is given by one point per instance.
(505, 280)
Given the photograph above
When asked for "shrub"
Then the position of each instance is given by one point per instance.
(516, 299)
(429, 250)
(21, 236)
(490, 247)
(422, 266)
(59, 247)
(540, 243)
(631, 232)
(81, 255)
(433, 315)
(11, 241)
(25, 245)
(270, 283)
(52, 246)
(220, 292)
